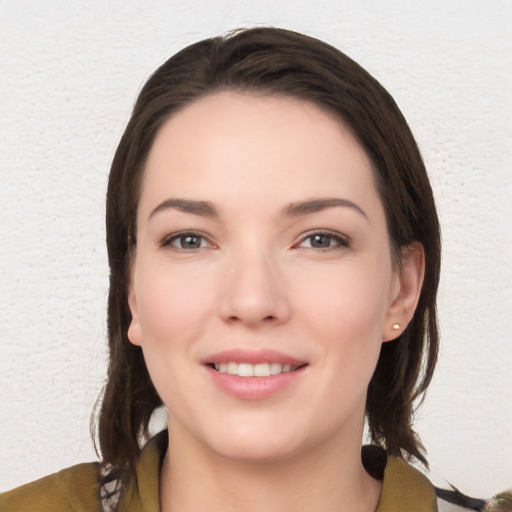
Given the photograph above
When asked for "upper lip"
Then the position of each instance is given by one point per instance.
(252, 357)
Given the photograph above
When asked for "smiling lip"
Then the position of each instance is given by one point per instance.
(253, 357)
(237, 372)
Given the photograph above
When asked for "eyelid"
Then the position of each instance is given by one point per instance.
(166, 241)
(343, 240)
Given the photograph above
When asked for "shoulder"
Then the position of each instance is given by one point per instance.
(74, 489)
(77, 489)
(406, 489)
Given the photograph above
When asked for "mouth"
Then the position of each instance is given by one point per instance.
(254, 370)
(255, 374)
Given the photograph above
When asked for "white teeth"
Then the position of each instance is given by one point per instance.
(254, 370)
(245, 370)
(276, 368)
(262, 370)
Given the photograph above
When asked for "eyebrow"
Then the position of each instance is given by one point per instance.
(317, 205)
(203, 208)
(207, 209)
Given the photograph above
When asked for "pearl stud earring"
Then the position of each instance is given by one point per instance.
(396, 327)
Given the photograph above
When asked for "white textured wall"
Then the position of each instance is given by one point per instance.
(69, 74)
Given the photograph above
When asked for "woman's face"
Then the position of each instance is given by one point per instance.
(262, 249)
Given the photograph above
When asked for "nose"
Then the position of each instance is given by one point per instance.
(254, 291)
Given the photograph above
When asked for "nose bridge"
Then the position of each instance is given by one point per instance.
(254, 286)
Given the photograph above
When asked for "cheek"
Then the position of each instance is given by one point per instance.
(172, 315)
(171, 304)
(344, 315)
(348, 300)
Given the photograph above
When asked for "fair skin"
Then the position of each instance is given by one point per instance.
(262, 243)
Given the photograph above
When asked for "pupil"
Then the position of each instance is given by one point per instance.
(320, 241)
(191, 242)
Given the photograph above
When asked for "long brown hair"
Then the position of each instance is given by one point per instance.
(277, 62)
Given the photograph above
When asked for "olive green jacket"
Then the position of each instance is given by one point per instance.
(76, 489)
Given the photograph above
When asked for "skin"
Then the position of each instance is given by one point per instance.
(319, 286)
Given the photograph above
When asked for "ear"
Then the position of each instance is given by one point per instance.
(405, 291)
(134, 331)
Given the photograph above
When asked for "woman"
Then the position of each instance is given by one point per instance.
(274, 252)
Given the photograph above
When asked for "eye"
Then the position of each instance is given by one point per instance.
(324, 240)
(186, 241)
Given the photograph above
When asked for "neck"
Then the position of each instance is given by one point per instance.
(330, 478)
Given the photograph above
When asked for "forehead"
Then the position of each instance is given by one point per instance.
(252, 114)
(239, 144)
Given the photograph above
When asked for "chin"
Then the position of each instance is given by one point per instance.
(259, 451)
(263, 442)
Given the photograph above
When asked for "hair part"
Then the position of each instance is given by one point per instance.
(276, 62)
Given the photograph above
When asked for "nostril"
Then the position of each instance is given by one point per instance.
(268, 318)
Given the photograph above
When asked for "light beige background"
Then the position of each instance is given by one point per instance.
(70, 72)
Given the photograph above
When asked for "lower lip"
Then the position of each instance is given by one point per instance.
(254, 388)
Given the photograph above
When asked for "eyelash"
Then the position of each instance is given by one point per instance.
(340, 241)
(168, 240)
